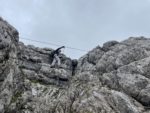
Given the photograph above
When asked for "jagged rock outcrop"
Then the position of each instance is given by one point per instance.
(114, 78)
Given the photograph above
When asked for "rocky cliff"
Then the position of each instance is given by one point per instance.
(114, 78)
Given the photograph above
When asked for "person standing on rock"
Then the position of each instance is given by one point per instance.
(55, 55)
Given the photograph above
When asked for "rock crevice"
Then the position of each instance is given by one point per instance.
(114, 78)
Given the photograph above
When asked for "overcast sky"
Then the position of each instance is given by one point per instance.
(82, 24)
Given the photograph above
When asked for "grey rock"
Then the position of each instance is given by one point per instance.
(114, 78)
(108, 45)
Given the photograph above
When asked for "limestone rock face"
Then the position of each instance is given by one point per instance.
(114, 78)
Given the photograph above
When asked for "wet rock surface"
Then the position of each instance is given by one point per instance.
(114, 78)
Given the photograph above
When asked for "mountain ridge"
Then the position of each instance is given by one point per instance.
(114, 78)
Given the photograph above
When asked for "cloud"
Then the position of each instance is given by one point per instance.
(78, 23)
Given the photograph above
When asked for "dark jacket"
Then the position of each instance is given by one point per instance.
(56, 51)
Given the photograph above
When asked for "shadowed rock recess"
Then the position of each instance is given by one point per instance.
(114, 78)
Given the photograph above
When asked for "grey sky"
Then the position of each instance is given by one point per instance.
(80, 24)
